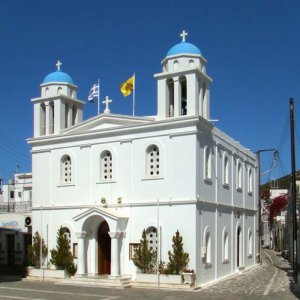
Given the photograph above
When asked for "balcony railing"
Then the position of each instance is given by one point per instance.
(16, 207)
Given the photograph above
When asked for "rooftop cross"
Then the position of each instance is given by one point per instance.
(58, 64)
(183, 35)
(106, 102)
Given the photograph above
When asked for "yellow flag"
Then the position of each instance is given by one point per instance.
(127, 87)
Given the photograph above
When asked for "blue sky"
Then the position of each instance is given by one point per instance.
(252, 48)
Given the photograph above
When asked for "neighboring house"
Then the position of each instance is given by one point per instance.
(280, 235)
(277, 233)
(15, 219)
(107, 178)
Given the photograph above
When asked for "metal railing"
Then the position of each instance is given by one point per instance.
(16, 207)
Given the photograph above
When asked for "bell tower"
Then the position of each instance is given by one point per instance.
(183, 85)
(58, 107)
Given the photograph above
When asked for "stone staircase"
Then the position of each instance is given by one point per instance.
(100, 281)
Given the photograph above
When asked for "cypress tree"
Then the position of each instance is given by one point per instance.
(144, 258)
(61, 257)
(34, 250)
(179, 259)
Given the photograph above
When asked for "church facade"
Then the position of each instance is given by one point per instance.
(107, 178)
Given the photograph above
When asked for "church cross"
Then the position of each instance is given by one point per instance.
(58, 64)
(183, 35)
(106, 102)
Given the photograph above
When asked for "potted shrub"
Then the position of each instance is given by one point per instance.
(188, 276)
(178, 261)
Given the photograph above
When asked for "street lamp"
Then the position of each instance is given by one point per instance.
(259, 200)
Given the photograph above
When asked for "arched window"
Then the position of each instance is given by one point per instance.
(67, 111)
(239, 176)
(249, 242)
(191, 63)
(183, 85)
(106, 165)
(207, 163)
(47, 92)
(225, 170)
(153, 163)
(225, 246)
(152, 238)
(67, 234)
(208, 247)
(74, 114)
(170, 84)
(59, 91)
(250, 181)
(175, 65)
(66, 169)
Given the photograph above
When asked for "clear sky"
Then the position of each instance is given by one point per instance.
(252, 48)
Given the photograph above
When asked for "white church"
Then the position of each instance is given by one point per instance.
(107, 178)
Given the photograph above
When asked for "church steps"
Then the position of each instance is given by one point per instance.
(122, 282)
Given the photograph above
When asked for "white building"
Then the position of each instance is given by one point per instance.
(15, 219)
(109, 177)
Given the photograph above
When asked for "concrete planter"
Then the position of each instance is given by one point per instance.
(163, 278)
(189, 278)
(47, 273)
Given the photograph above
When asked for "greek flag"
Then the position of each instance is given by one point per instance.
(94, 92)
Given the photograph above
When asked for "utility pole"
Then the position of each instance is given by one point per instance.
(293, 192)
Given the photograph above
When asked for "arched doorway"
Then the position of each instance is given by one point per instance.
(104, 246)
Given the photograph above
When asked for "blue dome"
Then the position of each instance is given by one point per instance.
(182, 48)
(58, 76)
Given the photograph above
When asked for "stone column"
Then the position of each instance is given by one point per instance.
(93, 254)
(81, 253)
(177, 97)
(115, 257)
(47, 116)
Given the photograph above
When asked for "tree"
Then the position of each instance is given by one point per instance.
(278, 204)
(144, 258)
(34, 250)
(61, 257)
(179, 259)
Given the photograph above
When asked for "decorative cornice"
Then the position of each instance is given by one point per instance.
(152, 203)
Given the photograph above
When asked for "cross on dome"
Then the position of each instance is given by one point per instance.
(106, 102)
(58, 64)
(183, 35)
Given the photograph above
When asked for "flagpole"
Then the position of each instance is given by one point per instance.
(133, 95)
(98, 96)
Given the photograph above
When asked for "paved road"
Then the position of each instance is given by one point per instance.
(270, 281)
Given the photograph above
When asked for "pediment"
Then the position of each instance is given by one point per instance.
(107, 121)
(101, 211)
